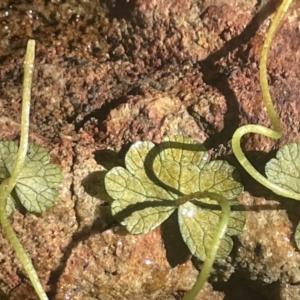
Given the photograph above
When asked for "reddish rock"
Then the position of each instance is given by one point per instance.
(110, 73)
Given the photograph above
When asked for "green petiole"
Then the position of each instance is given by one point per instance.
(211, 256)
(8, 184)
(275, 133)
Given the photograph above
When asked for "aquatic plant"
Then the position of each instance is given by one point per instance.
(26, 176)
(275, 133)
(283, 172)
(177, 175)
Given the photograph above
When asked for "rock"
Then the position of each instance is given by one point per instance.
(110, 73)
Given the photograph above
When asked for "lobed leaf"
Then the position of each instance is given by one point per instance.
(284, 170)
(157, 180)
(139, 204)
(38, 181)
(197, 228)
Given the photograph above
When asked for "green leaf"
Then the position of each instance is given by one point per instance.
(297, 235)
(38, 181)
(8, 152)
(197, 226)
(284, 170)
(159, 179)
(131, 187)
(178, 162)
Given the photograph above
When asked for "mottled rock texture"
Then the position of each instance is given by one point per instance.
(109, 73)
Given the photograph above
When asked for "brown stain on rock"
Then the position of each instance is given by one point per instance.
(104, 79)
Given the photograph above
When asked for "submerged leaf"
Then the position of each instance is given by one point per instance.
(139, 204)
(159, 179)
(37, 183)
(8, 157)
(284, 170)
(197, 225)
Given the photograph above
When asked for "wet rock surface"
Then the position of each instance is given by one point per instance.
(109, 73)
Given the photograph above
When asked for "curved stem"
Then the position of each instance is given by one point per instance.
(219, 234)
(275, 133)
(238, 152)
(8, 184)
(263, 74)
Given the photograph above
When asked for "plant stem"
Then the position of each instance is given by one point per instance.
(275, 133)
(8, 184)
(219, 234)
